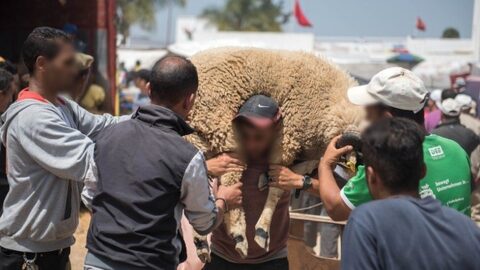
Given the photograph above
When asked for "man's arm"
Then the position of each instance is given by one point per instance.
(91, 124)
(201, 209)
(58, 148)
(336, 208)
(286, 179)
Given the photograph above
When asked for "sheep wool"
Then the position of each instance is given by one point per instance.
(311, 93)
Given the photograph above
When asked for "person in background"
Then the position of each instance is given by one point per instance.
(459, 85)
(92, 95)
(451, 128)
(256, 123)
(399, 230)
(397, 92)
(49, 142)
(83, 63)
(139, 202)
(142, 78)
(7, 91)
(467, 117)
(10, 67)
(432, 113)
(138, 66)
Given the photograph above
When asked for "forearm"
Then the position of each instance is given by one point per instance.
(330, 194)
(314, 188)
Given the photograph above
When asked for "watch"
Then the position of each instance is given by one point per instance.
(307, 183)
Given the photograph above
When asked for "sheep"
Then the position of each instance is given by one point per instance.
(311, 93)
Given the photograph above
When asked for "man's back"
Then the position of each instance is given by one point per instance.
(142, 165)
(455, 131)
(408, 233)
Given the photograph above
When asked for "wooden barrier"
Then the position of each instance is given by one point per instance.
(302, 258)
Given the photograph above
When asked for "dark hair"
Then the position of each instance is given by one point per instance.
(173, 78)
(6, 79)
(448, 93)
(393, 148)
(42, 41)
(143, 74)
(418, 117)
(8, 66)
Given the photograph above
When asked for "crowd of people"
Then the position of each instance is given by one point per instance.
(408, 206)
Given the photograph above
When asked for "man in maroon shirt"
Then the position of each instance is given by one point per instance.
(256, 124)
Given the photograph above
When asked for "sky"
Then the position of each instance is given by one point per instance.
(352, 18)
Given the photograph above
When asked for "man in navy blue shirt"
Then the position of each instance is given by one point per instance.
(400, 230)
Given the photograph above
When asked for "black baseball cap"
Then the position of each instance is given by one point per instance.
(260, 110)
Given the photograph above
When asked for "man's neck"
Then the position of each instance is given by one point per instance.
(388, 194)
(172, 108)
(44, 90)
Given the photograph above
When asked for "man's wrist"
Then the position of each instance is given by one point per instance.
(298, 181)
(325, 166)
(222, 204)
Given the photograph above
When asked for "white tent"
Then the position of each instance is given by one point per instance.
(146, 57)
(436, 73)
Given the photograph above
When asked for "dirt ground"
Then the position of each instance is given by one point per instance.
(78, 252)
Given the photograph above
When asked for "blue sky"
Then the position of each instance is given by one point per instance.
(358, 18)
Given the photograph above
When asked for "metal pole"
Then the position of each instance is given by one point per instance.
(169, 22)
(476, 30)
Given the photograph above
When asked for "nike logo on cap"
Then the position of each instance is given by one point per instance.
(262, 106)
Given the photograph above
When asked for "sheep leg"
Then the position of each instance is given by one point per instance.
(262, 228)
(235, 219)
(203, 249)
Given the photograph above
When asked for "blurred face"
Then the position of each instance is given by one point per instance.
(255, 141)
(60, 72)
(6, 97)
(375, 113)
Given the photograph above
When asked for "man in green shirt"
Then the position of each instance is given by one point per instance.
(397, 92)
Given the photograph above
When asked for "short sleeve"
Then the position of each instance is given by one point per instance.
(356, 191)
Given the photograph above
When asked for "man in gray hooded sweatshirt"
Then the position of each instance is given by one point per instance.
(49, 145)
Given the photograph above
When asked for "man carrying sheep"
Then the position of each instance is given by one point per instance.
(397, 92)
(257, 125)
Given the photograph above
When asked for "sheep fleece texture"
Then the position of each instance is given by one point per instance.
(311, 93)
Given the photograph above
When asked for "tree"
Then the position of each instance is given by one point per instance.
(248, 15)
(130, 12)
(450, 32)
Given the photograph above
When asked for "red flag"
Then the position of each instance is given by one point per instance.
(301, 19)
(421, 25)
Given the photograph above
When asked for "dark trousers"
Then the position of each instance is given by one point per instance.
(55, 260)
(218, 263)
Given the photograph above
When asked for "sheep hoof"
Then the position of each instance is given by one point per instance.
(262, 239)
(241, 246)
(204, 256)
(263, 182)
(203, 250)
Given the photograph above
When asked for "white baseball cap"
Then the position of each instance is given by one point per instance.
(436, 95)
(465, 101)
(394, 87)
(451, 107)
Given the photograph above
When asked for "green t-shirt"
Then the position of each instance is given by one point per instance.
(448, 177)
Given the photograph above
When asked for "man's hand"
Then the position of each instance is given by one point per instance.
(224, 163)
(332, 154)
(231, 194)
(284, 178)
